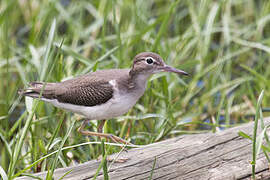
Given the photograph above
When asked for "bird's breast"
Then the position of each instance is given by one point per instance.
(122, 101)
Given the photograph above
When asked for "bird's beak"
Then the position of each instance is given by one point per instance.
(172, 69)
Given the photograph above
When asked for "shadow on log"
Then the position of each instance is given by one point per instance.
(223, 155)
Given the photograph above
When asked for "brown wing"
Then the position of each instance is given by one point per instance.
(86, 90)
(80, 93)
(91, 94)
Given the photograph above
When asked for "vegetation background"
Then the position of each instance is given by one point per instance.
(224, 45)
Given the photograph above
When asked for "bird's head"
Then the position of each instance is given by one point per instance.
(150, 63)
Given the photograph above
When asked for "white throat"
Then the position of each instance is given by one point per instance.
(141, 80)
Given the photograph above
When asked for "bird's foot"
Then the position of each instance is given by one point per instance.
(111, 137)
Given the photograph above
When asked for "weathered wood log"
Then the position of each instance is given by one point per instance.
(222, 155)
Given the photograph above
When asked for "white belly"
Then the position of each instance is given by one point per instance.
(115, 107)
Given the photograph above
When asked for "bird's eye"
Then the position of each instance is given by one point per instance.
(149, 60)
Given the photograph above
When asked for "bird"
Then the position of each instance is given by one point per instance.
(103, 94)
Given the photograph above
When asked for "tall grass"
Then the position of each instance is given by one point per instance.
(224, 45)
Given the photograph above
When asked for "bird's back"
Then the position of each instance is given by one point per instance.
(87, 90)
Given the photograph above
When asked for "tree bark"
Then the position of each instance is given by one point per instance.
(221, 155)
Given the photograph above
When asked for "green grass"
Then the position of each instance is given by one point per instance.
(257, 140)
(224, 45)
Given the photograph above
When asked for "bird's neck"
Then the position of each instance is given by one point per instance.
(137, 80)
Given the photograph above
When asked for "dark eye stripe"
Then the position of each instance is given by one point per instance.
(156, 63)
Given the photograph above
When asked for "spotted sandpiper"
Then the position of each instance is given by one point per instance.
(103, 94)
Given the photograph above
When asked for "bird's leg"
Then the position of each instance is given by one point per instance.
(100, 127)
(99, 134)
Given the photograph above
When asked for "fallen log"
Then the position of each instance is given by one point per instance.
(221, 155)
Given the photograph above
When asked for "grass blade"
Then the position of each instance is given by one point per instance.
(259, 141)
(153, 168)
(48, 49)
(254, 144)
(66, 173)
(18, 146)
(100, 166)
(105, 169)
(164, 25)
(3, 174)
(51, 170)
(244, 135)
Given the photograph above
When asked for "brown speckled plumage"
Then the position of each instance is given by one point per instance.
(87, 94)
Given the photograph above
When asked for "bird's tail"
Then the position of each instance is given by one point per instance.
(38, 90)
